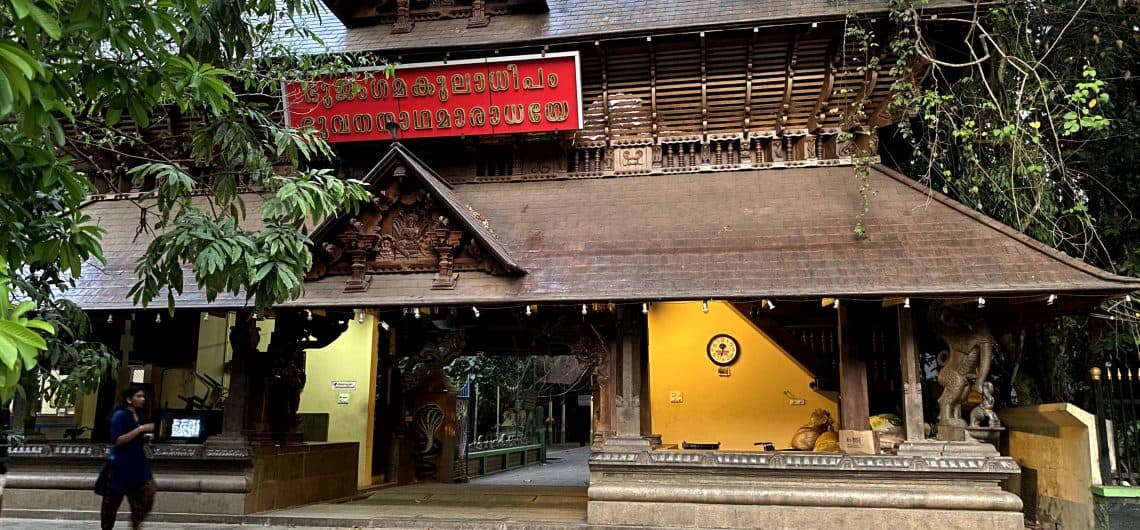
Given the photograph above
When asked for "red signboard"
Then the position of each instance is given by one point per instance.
(502, 95)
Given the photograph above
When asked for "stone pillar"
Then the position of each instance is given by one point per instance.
(627, 402)
(243, 338)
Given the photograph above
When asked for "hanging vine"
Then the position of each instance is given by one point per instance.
(856, 128)
(1011, 118)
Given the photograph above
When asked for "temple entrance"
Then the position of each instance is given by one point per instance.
(490, 396)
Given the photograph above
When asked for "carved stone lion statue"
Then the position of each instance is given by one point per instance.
(966, 359)
(984, 412)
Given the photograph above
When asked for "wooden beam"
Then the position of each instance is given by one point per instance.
(894, 301)
(912, 386)
(828, 85)
(1031, 299)
(854, 404)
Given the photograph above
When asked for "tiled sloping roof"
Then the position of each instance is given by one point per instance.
(106, 286)
(570, 20)
(771, 233)
(743, 235)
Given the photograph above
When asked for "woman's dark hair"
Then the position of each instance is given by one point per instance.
(131, 390)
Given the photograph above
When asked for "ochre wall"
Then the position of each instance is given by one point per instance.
(213, 351)
(747, 407)
(349, 358)
(1056, 446)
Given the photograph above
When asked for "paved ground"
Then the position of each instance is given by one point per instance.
(547, 496)
(39, 524)
(562, 468)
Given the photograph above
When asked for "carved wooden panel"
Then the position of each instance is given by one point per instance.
(401, 229)
(633, 159)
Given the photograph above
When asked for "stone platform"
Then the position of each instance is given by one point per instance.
(794, 490)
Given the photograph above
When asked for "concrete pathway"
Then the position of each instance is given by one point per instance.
(41, 524)
(566, 467)
(550, 496)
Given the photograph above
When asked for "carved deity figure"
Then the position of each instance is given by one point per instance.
(984, 412)
(967, 360)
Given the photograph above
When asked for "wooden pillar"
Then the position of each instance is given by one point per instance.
(912, 387)
(605, 394)
(854, 406)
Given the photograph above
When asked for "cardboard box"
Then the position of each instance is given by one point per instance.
(858, 442)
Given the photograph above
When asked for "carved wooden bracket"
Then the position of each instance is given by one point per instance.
(479, 17)
(447, 241)
(404, 22)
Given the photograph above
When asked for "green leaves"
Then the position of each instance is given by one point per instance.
(149, 88)
(20, 344)
(17, 68)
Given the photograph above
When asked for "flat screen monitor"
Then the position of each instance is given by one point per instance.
(184, 426)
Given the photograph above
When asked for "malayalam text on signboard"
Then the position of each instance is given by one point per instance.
(503, 95)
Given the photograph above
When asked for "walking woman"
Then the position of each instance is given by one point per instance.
(128, 469)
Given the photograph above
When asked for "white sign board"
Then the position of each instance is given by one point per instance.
(344, 385)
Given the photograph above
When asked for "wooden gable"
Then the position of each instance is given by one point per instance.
(412, 223)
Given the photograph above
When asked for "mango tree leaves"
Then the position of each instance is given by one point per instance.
(20, 337)
(86, 80)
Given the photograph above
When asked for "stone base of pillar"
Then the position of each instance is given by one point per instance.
(264, 438)
(226, 445)
(943, 448)
(628, 444)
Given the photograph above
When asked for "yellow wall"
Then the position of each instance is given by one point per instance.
(213, 351)
(85, 412)
(1058, 442)
(747, 407)
(347, 359)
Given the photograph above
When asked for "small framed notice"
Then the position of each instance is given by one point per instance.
(344, 385)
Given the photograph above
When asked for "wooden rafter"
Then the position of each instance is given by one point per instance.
(605, 90)
(704, 86)
(789, 83)
(652, 87)
(876, 119)
(821, 103)
(870, 82)
(748, 84)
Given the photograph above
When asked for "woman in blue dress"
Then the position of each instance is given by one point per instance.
(127, 467)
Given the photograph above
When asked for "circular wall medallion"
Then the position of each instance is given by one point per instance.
(723, 350)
